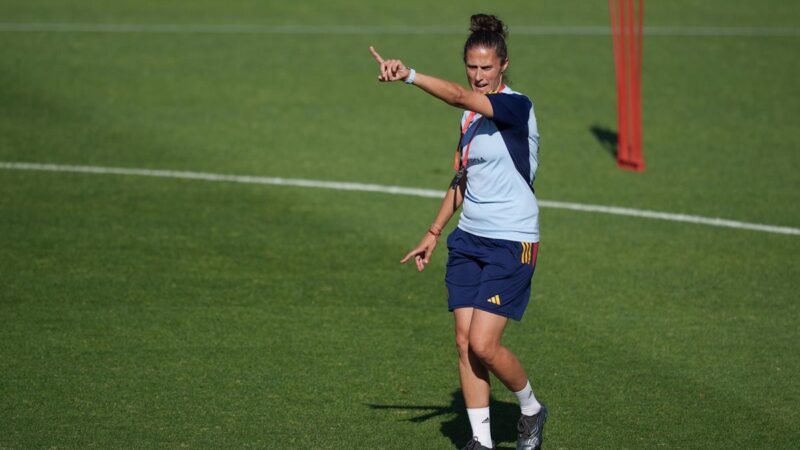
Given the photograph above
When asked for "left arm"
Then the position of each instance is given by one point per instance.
(449, 92)
(450, 203)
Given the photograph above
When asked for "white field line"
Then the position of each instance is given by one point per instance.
(536, 30)
(395, 190)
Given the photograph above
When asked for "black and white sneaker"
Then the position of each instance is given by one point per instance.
(530, 430)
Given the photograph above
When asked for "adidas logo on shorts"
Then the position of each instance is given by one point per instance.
(495, 300)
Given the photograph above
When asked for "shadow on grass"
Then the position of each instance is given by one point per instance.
(457, 429)
(607, 137)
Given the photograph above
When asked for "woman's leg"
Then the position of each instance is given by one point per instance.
(474, 381)
(485, 334)
(486, 331)
(473, 373)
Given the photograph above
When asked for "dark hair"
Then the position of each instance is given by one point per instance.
(489, 32)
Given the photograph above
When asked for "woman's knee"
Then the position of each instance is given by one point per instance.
(485, 349)
(462, 345)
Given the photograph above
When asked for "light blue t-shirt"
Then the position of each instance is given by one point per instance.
(499, 202)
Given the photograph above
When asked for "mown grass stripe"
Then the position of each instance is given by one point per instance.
(394, 190)
(536, 30)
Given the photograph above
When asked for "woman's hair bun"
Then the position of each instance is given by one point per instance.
(486, 22)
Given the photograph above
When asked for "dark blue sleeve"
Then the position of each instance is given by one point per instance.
(510, 110)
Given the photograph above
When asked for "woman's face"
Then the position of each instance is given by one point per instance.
(484, 69)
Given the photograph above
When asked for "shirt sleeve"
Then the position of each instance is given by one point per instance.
(510, 110)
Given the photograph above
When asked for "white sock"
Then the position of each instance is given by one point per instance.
(527, 401)
(481, 427)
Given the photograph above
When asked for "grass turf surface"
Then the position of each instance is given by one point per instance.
(146, 312)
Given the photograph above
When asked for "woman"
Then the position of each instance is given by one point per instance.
(493, 250)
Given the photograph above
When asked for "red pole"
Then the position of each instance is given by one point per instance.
(637, 104)
(630, 85)
(617, 31)
(626, 29)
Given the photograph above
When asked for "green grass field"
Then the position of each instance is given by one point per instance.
(142, 312)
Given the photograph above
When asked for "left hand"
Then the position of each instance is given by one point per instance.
(422, 252)
(391, 69)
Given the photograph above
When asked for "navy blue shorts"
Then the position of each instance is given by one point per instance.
(489, 274)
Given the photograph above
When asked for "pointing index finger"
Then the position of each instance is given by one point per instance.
(375, 54)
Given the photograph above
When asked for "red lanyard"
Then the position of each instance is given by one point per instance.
(464, 128)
